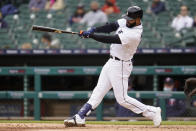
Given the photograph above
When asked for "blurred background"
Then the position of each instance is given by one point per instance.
(50, 76)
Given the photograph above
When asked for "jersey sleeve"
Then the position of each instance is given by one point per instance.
(190, 22)
(173, 24)
(110, 27)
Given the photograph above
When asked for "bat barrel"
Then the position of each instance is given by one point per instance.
(49, 29)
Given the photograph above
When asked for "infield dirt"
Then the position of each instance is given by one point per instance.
(90, 127)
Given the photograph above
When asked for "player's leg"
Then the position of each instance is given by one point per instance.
(119, 78)
(103, 86)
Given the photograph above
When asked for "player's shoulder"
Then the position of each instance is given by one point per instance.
(121, 22)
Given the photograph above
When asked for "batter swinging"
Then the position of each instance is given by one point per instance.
(117, 70)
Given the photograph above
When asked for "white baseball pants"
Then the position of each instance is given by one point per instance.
(115, 74)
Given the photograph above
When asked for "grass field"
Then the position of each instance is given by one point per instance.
(29, 125)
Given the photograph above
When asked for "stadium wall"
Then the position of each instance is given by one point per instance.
(94, 60)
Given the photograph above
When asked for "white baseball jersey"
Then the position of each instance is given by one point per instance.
(130, 39)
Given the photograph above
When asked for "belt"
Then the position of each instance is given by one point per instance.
(116, 58)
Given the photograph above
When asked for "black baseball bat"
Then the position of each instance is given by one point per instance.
(49, 29)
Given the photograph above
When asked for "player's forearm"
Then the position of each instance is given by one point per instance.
(106, 39)
(107, 28)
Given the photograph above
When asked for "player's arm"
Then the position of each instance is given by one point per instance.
(108, 39)
(107, 28)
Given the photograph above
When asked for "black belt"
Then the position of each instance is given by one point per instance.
(116, 58)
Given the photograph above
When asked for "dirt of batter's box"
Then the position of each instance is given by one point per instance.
(61, 127)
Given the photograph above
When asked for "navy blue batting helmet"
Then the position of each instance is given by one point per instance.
(133, 12)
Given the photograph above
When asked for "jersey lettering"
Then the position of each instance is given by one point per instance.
(120, 31)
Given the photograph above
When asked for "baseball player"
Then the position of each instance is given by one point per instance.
(116, 71)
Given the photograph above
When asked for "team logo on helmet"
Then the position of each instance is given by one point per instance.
(136, 7)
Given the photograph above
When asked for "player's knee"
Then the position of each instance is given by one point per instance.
(123, 103)
(120, 101)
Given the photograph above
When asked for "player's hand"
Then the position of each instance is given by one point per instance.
(92, 30)
(86, 34)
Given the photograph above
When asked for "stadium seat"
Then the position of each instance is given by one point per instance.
(154, 43)
(3, 31)
(68, 45)
(89, 43)
(144, 44)
(170, 40)
(7, 43)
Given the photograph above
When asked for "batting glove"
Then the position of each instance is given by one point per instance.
(92, 30)
(86, 34)
(83, 34)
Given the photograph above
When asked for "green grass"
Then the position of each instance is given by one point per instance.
(107, 122)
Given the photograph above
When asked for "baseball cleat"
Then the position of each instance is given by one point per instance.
(157, 118)
(75, 121)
